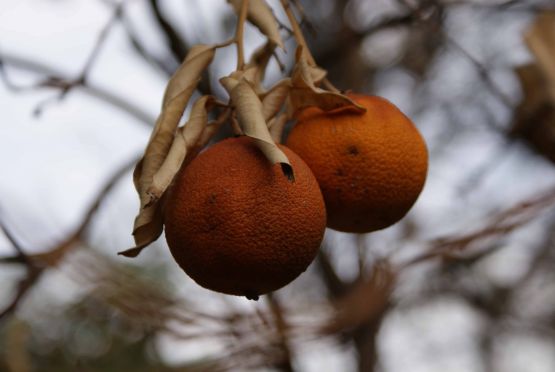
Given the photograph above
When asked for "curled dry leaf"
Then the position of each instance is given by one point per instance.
(273, 100)
(185, 139)
(211, 128)
(366, 302)
(540, 38)
(251, 119)
(260, 15)
(148, 223)
(259, 60)
(304, 91)
(276, 126)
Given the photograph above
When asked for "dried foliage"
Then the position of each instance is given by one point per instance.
(535, 117)
(141, 308)
(254, 110)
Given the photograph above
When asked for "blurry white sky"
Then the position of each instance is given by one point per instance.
(53, 165)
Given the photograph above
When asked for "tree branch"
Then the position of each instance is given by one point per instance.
(177, 45)
(54, 255)
(57, 76)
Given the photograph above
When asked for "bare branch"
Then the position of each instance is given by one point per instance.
(57, 76)
(483, 71)
(282, 332)
(53, 255)
(501, 224)
(177, 44)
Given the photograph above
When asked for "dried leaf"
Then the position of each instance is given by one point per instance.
(251, 118)
(540, 38)
(148, 223)
(148, 227)
(364, 303)
(185, 138)
(305, 93)
(249, 74)
(17, 334)
(212, 128)
(259, 60)
(317, 74)
(276, 126)
(260, 15)
(273, 100)
(196, 61)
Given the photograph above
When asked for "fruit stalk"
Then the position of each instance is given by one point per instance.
(239, 37)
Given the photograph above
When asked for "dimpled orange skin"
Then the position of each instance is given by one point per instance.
(371, 167)
(235, 223)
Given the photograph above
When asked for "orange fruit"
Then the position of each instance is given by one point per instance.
(236, 224)
(371, 167)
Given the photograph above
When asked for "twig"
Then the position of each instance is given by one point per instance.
(301, 41)
(304, 19)
(33, 272)
(484, 74)
(501, 224)
(66, 86)
(168, 65)
(118, 9)
(281, 327)
(54, 255)
(57, 76)
(335, 285)
(297, 32)
(239, 36)
(178, 46)
(15, 244)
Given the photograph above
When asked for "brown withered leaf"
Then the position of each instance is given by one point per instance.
(305, 93)
(185, 139)
(317, 74)
(273, 100)
(248, 74)
(148, 223)
(540, 38)
(260, 15)
(534, 119)
(276, 126)
(212, 128)
(364, 303)
(260, 59)
(251, 119)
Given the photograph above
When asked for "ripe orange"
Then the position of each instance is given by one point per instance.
(371, 167)
(235, 224)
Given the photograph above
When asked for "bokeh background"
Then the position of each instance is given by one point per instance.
(464, 283)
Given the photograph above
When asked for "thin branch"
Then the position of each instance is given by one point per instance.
(304, 19)
(177, 44)
(117, 12)
(239, 34)
(484, 74)
(281, 326)
(57, 76)
(502, 224)
(335, 285)
(66, 86)
(167, 65)
(15, 244)
(54, 255)
(301, 41)
(297, 32)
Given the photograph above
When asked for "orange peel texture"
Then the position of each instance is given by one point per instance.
(371, 167)
(235, 223)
